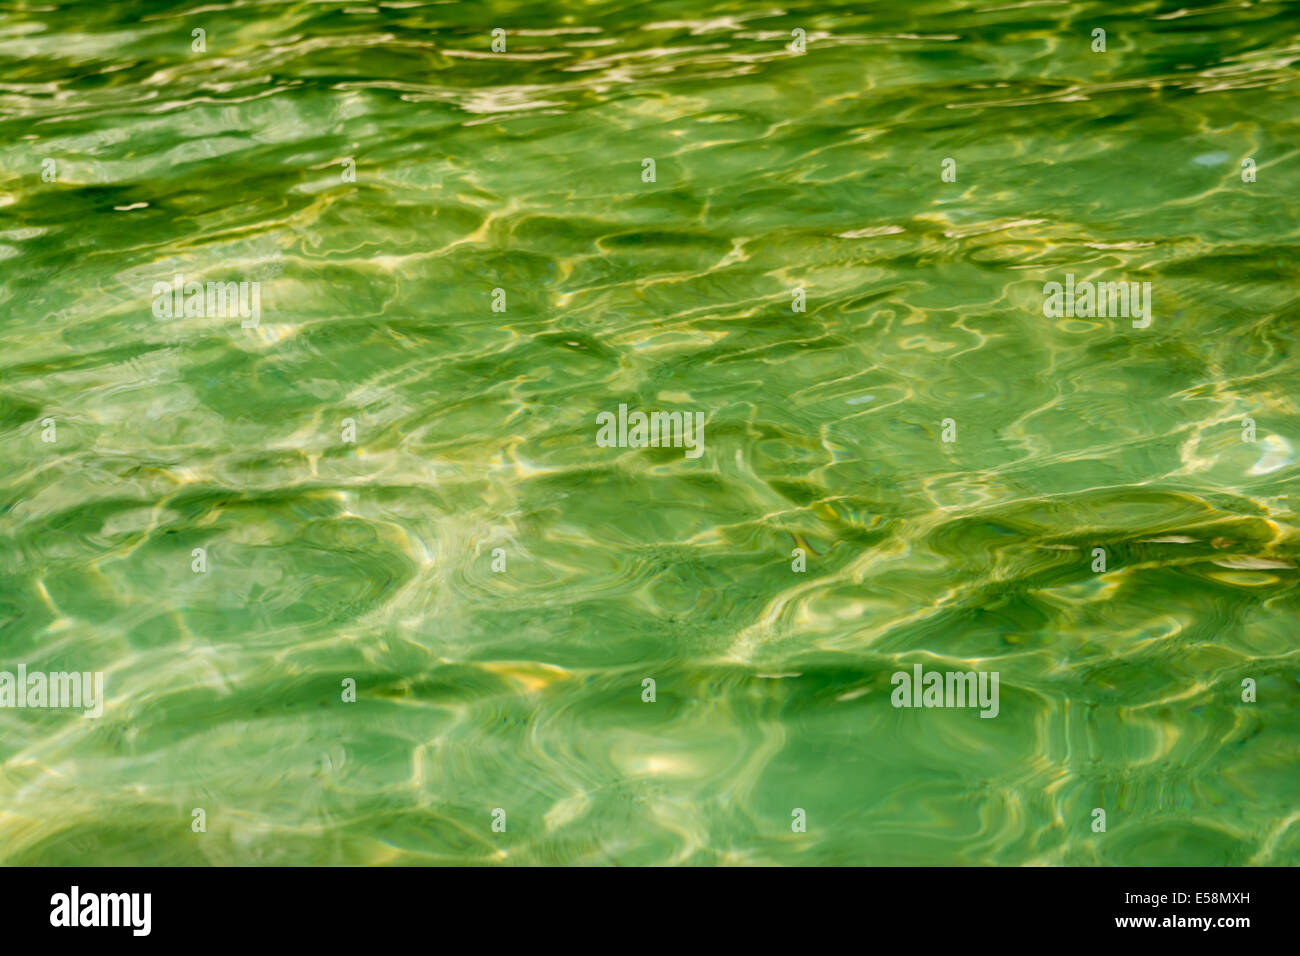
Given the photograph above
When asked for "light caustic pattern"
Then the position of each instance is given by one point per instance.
(521, 689)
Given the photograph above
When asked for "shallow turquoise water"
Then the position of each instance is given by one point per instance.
(520, 690)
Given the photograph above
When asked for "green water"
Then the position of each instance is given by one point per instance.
(521, 689)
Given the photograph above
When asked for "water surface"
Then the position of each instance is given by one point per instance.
(521, 690)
